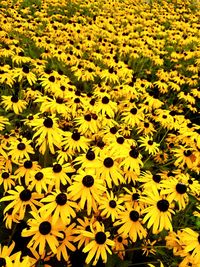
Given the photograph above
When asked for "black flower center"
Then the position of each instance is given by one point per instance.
(134, 153)
(135, 196)
(198, 239)
(100, 238)
(14, 99)
(146, 125)
(105, 100)
(88, 181)
(57, 168)
(61, 199)
(28, 164)
(45, 228)
(181, 188)
(113, 130)
(108, 162)
(120, 140)
(119, 239)
(25, 69)
(150, 142)
(90, 155)
(52, 79)
(187, 153)
(87, 228)
(76, 136)
(133, 111)
(163, 205)
(48, 122)
(190, 181)
(134, 215)
(88, 117)
(21, 146)
(156, 178)
(2, 262)
(112, 204)
(39, 176)
(25, 195)
(5, 175)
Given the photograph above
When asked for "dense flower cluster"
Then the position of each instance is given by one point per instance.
(99, 132)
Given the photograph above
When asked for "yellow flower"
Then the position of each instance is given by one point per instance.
(99, 244)
(43, 232)
(13, 103)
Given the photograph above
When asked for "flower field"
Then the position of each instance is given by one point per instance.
(99, 133)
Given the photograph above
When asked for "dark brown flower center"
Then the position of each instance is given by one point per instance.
(48, 122)
(156, 178)
(105, 100)
(5, 175)
(76, 136)
(25, 195)
(45, 228)
(181, 188)
(39, 176)
(21, 146)
(90, 155)
(187, 153)
(28, 164)
(61, 199)
(133, 111)
(108, 162)
(100, 238)
(112, 204)
(2, 262)
(14, 99)
(57, 168)
(134, 215)
(163, 205)
(88, 181)
(134, 153)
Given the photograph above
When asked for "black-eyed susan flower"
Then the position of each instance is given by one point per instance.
(7, 180)
(110, 206)
(21, 198)
(66, 242)
(18, 261)
(59, 174)
(150, 146)
(25, 170)
(88, 160)
(132, 160)
(13, 103)
(158, 213)
(10, 218)
(99, 244)
(86, 188)
(20, 149)
(132, 116)
(84, 225)
(43, 232)
(149, 180)
(184, 156)
(75, 142)
(110, 171)
(40, 181)
(130, 223)
(47, 133)
(24, 72)
(5, 252)
(59, 206)
(191, 241)
(176, 191)
(121, 243)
